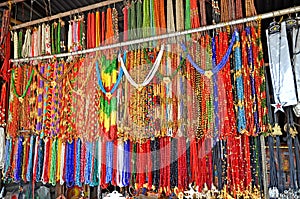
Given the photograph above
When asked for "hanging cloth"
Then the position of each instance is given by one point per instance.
(281, 69)
(296, 64)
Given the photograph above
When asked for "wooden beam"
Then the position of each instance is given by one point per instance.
(14, 21)
(68, 13)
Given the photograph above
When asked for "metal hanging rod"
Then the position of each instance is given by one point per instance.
(65, 14)
(165, 36)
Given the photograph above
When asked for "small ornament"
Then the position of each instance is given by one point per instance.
(21, 99)
(108, 95)
(140, 88)
(180, 195)
(80, 92)
(276, 131)
(53, 83)
(208, 74)
(166, 80)
(279, 106)
(291, 130)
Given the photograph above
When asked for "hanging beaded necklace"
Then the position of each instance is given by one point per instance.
(261, 85)
(209, 103)
(24, 121)
(21, 97)
(108, 102)
(220, 88)
(97, 28)
(150, 75)
(78, 162)
(170, 17)
(217, 68)
(253, 77)
(3, 103)
(93, 108)
(14, 104)
(229, 94)
(18, 166)
(53, 161)
(47, 100)
(240, 109)
(30, 158)
(146, 18)
(115, 24)
(160, 20)
(109, 94)
(25, 157)
(247, 84)
(4, 74)
(40, 91)
(78, 90)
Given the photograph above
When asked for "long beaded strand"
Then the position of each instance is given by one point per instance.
(253, 77)
(247, 84)
(229, 94)
(241, 122)
(261, 85)
(14, 105)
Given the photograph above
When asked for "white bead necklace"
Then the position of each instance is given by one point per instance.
(150, 74)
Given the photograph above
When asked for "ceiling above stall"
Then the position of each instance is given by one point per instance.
(26, 10)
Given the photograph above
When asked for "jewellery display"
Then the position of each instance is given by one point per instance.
(181, 117)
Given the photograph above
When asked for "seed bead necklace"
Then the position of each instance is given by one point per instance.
(14, 103)
(247, 85)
